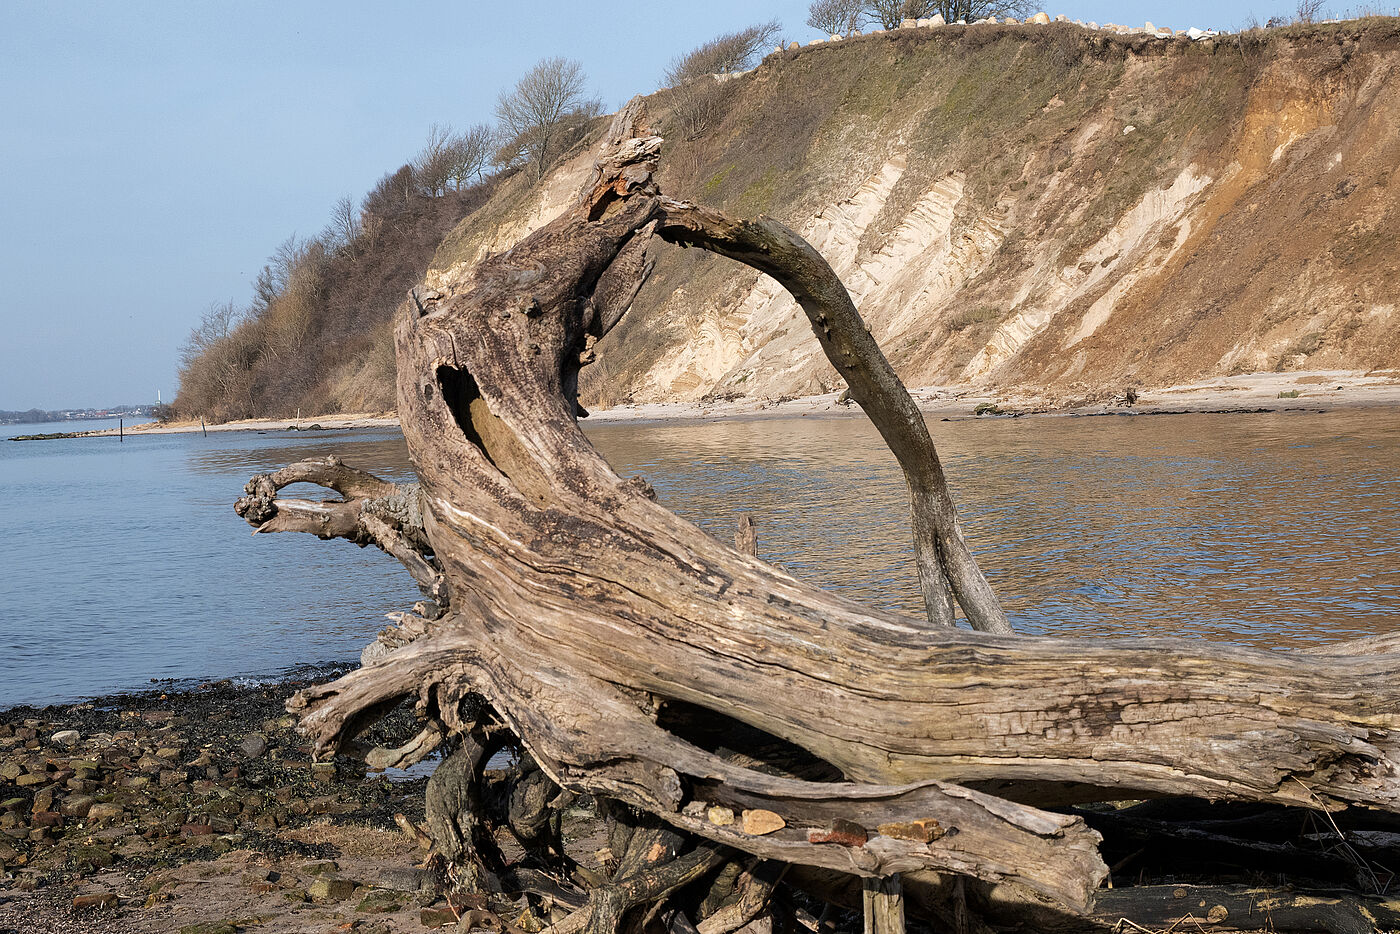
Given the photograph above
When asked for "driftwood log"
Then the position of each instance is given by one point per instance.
(730, 725)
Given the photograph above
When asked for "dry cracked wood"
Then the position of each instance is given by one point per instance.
(370, 511)
(580, 607)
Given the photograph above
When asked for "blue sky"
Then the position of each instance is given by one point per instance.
(152, 155)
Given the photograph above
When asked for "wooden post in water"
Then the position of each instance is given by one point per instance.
(883, 900)
(121, 431)
(202, 428)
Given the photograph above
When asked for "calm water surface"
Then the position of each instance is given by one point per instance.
(125, 562)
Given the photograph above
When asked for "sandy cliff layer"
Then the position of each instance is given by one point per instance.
(1027, 207)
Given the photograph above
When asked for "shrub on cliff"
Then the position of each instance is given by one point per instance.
(735, 51)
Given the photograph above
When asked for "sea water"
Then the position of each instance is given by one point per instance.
(123, 561)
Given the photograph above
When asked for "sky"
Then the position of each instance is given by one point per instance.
(153, 155)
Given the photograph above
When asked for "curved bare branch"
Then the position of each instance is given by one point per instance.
(939, 546)
(371, 512)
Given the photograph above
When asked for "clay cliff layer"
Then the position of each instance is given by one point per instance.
(1037, 208)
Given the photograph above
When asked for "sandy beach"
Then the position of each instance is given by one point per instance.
(1311, 391)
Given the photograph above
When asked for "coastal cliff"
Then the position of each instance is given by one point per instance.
(1042, 208)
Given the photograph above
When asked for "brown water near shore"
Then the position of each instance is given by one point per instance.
(127, 562)
(1267, 529)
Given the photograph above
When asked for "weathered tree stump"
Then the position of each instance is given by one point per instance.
(721, 714)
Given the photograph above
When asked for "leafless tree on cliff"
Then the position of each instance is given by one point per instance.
(696, 100)
(389, 195)
(343, 229)
(216, 323)
(890, 13)
(532, 112)
(735, 51)
(452, 157)
(734, 726)
(836, 17)
(696, 107)
(215, 365)
(1307, 11)
(970, 10)
(471, 150)
(432, 167)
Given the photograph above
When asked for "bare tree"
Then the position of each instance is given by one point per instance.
(470, 152)
(387, 197)
(508, 151)
(1307, 11)
(532, 113)
(265, 287)
(344, 227)
(969, 10)
(405, 183)
(272, 279)
(432, 167)
(733, 51)
(890, 13)
(214, 325)
(836, 17)
(216, 365)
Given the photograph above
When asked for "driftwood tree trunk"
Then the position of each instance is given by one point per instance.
(720, 710)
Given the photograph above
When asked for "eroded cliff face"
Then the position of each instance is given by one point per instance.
(1035, 208)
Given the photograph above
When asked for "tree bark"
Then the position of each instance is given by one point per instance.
(581, 612)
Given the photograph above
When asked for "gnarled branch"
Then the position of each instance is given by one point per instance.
(371, 511)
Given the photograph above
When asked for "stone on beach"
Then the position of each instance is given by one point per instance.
(328, 889)
(77, 805)
(925, 830)
(758, 822)
(841, 832)
(105, 812)
(253, 745)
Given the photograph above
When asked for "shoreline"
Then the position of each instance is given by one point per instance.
(1312, 391)
(200, 805)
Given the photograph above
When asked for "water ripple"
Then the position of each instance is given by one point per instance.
(124, 562)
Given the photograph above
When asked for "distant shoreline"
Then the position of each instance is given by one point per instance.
(1316, 391)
